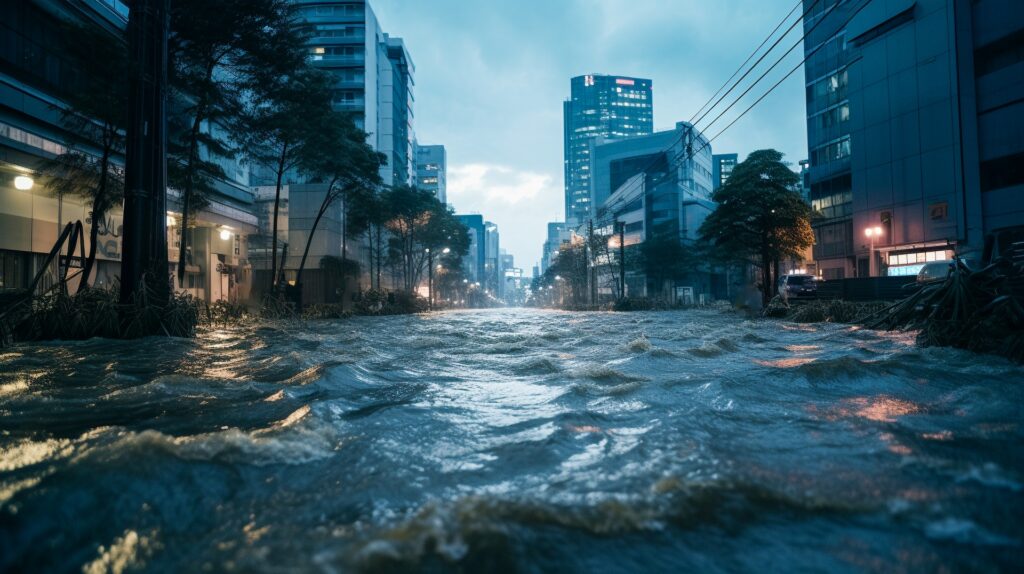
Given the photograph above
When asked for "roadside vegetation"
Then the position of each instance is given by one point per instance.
(240, 88)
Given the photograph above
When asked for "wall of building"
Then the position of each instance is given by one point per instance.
(432, 170)
(599, 106)
(915, 111)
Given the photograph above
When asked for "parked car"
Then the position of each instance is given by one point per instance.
(799, 285)
(938, 270)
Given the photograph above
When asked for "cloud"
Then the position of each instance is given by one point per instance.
(491, 77)
(520, 201)
(495, 184)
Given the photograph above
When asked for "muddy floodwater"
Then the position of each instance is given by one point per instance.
(512, 441)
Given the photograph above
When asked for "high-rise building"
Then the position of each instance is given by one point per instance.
(395, 122)
(653, 186)
(492, 263)
(721, 166)
(374, 77)
(557, 233)
(914, 116)
(599, 106)
(474, 261)
(432, 170)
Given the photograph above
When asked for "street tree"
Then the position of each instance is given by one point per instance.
(417, 221)
(759, 218)
(95, 118)
(218, 53)
(568, 271)
(284, 132)
(348, 166)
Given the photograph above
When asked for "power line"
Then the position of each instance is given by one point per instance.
(750, 57)
(687, 149)
(761, 59)
(689, 154)
(768, 71)
(790, 73)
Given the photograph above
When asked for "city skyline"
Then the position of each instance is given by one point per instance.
(473, 62)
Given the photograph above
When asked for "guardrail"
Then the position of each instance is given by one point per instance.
(866, 288)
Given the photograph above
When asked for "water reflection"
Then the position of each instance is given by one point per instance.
(511, 440)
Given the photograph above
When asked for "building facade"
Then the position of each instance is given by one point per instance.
(721, 166)
(375, 77)
(493, 272)
(599, 106)
(558, 232)
(655, 185)
(915, 114)
(473, 263)
(36, 78)
(432, 170)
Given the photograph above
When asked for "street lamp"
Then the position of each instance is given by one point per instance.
(872, 233)
(23, 182)
(430, 279)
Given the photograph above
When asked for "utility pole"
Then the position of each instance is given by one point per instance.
(622, 258)
(144, 243)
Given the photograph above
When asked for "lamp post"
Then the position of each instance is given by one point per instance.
(430, 275)
(871, 233)
(430, 280)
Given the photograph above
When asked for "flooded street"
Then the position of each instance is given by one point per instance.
(512, 440)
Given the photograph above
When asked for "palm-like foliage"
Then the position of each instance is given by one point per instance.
(94, 120)
(218, 52)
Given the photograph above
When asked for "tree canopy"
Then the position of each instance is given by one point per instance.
(760, 218)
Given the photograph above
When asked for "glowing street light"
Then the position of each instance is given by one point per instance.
(872, 233)
(23, 182)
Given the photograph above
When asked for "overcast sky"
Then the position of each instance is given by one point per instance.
(491, 76)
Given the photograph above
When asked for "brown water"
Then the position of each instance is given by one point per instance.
(512, 440)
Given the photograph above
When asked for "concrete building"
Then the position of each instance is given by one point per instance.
(375, 77)
(599, 106)
(651, 185)
(374, 81)
(721, 166)
(493, 272)
(432, 170)
(558, 232)
(474, 261)
(35, 78)
(395, 122)
(915, 111)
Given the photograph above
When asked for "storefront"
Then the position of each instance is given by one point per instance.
(901, 261)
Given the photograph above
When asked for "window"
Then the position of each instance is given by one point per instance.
(336, 53)
(939, 211)
(1002, 172)
(834, 151)
(830, 89)
(834, 116)
(1000, 54)
(13, 270)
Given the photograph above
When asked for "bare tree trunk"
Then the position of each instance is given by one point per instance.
(98, 213)
(344, 247)
(186, 194)
(380, 253)
(277, 208)
(766, 279)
